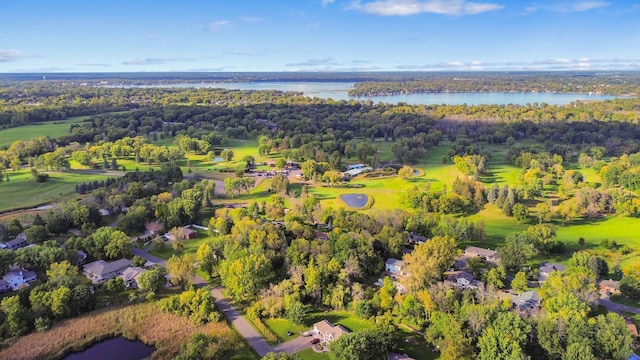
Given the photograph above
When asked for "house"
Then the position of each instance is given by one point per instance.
(130, 276)
(328, 331)
(355, 166)
(4, 286)
(18, 278)
(358, 171)
(526, 302)
(105, 212)
(190, 233)
(463, 280)
(19, 242)
(101, 271)
(631, 326)
(610, 286)
(321, 235)
(546, 268)
(395, 267)
(485, 254)
(416, 239)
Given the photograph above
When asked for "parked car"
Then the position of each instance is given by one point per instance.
(306, 333)
(315, 341)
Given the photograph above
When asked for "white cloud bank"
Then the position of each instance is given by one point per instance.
(414, 7)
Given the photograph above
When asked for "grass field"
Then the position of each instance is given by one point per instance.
(22, 190)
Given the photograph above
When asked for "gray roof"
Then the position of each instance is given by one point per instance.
(478, 251)
(102, 267)
(395, 262)
(15, 242)
(547, 267)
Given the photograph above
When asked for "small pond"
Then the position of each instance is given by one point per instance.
(355, 200)
(114, 349)
(218, 159)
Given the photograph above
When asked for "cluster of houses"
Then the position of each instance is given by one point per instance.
(460, 277)
(18, 242)
(100, 271)
(16, 278)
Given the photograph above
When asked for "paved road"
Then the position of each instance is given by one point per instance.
(615, 307)
(241, 324)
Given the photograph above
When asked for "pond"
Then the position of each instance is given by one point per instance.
(114, 349)
(355, 201)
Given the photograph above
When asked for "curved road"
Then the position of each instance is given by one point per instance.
(255, 340)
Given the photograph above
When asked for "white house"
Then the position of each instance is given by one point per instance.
(328, 331)
(130, 276)
(18, 278)
(101, 271)
(355, 166)
(395, 267)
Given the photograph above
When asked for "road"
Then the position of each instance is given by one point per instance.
(241, 324)
(615, 307)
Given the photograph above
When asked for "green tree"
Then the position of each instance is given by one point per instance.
(152, 280)
(612, 338)
(138, 261)
(180, 269)
(519, 282)
(295, 311)
(367, 344)
(36, 234)
(429, 260)
(543, 212)
(505, 338)
(405, 173)
(227, 155)
(495, 278)
(520, 212)
(16, 318)
(578, 351)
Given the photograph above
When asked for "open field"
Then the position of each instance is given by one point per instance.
(22, 190)
(142, 321)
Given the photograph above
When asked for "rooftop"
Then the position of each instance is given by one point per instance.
(102, 267)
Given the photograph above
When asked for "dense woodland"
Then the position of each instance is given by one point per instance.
(274, 262)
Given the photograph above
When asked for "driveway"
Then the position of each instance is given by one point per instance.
(293, 346)
(149, 257)
(241, 324)
(615, 307)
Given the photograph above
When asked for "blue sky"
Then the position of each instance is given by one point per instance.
(318, 35)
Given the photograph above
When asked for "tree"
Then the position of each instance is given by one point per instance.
(516, 252)
(612, 338)
(180, 269)
(405, 172)
(295, 311)
(543, 211)
(505, 338)
(578, 351)
(447, 334)
(429, 260)
(138, 261)
(308, 169)
(227, 155)
(14, 227)
(152, 280)
(387, 293)
(62, 274)
(367, 344)
(16, 318)
(331, 177)
(519, 282)
(278, 356)
(520, 212)
(206, 258)
(280, 163)
(36, 234)
(495, 278)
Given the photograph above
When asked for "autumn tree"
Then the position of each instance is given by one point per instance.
(429, 260)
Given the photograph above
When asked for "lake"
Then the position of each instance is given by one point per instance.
(339, 91)
(114, 349)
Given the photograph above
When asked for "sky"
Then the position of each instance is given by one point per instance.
(318, 35)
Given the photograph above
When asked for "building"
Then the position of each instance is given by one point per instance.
(328, 331)
(190, 233)
(546, 268)
(485, 254)
(527, 302)
(416, 239)
(19, 242)
(395, 267)
(631, 326)
(4, 286)
(18, 278)
(131, 275)
(610, 286)
(463, 280)
(154, 227)
(356, 166)
(101, 271)
(358, 171)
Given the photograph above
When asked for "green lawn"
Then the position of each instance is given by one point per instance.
(21, 190)
(309, 354)
(190, 246)
(621, 299)
(414, 345)
(281, 326)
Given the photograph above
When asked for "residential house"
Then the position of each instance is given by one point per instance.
(4, 286)
(131, 275)
(463, 280)
(153, 227)
(101, 271)
(321, 235)
(105, 212)
(527, 302)
(416, 239)
(328, 331)
(19, 242)
(190, 233)
(358, 171)
(395, 267)
(18, 278)
(610, 286)
(485, 254)
(546, 268)
(356, 166)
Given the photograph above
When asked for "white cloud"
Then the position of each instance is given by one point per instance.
(10, 55)
(560, 64)
(588, 5)
(326, 2)
(413, 7)
(250, 19)
(242, 53)
(214, 26)
(315, 62)
(153, 61)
